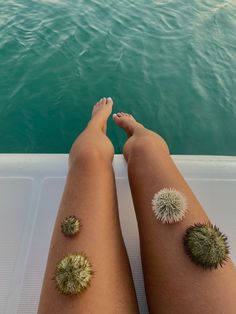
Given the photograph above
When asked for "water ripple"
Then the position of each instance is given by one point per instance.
(174, 58)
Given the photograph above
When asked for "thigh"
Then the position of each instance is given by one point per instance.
(90, 195)
(173, 283)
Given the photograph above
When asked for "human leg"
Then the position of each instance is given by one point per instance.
(90, 195)
(173, 283)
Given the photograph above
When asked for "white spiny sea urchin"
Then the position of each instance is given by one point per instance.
(169, 205)
(70, 226)
(73, 274)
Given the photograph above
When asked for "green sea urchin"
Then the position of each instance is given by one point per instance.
(169, 205)
(206, 245)
(73, 274)
(70, 226)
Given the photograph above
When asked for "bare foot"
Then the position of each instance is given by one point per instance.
(136, 133)
(101, 112)
(127, 122)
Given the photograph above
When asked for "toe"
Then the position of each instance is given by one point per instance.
(116, 117)
(109, 101)
(122, 121)
(103, 101)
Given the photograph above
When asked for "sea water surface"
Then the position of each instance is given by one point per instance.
(172, 64)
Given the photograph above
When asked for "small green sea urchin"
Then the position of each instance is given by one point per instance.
(206, 245)
(73, 274)
(70, 226)
(169, 205)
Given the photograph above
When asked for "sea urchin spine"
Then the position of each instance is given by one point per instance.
(73, 274)
(70, 226)
(206, 245)
(169, 205)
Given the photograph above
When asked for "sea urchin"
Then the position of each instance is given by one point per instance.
(73, 274)
(169, 205)
(206, 245)
(70, 226)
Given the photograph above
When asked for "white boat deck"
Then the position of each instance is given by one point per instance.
(30, 191)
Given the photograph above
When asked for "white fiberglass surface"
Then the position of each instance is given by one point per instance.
(30, 192)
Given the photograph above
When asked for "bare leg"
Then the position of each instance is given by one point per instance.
(173, 283)
(90, 194)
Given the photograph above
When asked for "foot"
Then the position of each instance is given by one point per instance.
(101, 112)
(127, 122)
(137, 133)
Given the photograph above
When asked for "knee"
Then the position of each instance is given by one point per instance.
(91, 147)
(148, 145)
(87, 154)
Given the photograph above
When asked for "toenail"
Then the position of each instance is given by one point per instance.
(114, 115)
(109, 98)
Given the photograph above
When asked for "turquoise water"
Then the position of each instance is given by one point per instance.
(172, 64)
